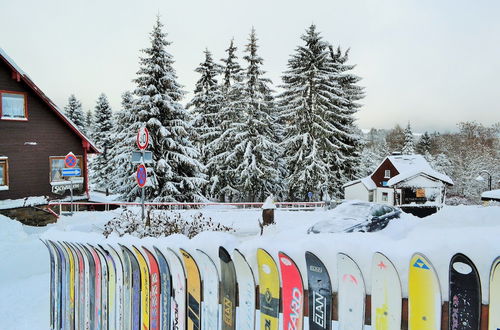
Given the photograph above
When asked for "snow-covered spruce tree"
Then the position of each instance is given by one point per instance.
(409, 146)
(351, 93)
(73, 110)
(311, 108)
(89, 123)
(124, 135)
(222, 181)
(250, 153)
(103, 138)
(205, 109)
(175, 174)
(231, 69)
(424, 144)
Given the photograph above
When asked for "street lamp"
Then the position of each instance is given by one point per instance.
(480, 178)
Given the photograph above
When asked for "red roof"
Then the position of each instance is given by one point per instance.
(21, 75)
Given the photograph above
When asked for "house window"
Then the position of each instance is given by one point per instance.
(4, 174)
(370, 196)
(385, 197)
(13, 106)
(387, 174)
(56, 166)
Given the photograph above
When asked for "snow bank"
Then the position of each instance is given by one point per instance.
(472, 230)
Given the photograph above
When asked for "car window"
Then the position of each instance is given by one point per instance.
(380, 211)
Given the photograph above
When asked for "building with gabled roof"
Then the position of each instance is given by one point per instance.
(34, 138)
(401, 180)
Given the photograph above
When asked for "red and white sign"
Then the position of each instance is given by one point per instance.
(70, 160)
(143, 138)
(141, 175)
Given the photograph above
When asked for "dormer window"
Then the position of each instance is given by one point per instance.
(13, 106)
(387, 174)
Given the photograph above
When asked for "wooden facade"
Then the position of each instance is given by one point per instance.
(379, 176)
(27, 144)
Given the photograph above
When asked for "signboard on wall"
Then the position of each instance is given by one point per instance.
(420, 193)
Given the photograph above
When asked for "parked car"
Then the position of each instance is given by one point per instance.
(356, 216)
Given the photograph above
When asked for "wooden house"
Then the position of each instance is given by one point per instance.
(407, 181)
(34, 138)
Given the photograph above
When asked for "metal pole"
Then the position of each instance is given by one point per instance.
(142, 203)
(71, 191)
(142, 192)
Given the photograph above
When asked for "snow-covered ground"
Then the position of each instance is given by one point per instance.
(472, 230)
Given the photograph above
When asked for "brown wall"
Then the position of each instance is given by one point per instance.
(379, 174)
(28, 164)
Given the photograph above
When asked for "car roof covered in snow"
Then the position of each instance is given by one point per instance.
(26, 79)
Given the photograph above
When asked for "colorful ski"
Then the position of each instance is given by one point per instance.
(143, 265)
(245, 315)
(494, 313)
(193, 291)
(136, 289)
(165, 288)
(52, 284)
(386, 295)
(210, 303)
(117, 259)
(111, 289)
(179, 291)
(127, 289)
(227, 290)
(91, 287)
(85, 293)
(424, 295)
(80, 287)
(464, 295)
(292, 293)
(104, 287)
(71, 284)
(320, 293)
(351, 293)
(269, 290)
(154, 293)
(57, 285)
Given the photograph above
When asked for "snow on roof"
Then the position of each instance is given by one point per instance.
(367, 182)
(410, 166)
(51, 104)
(493, 194)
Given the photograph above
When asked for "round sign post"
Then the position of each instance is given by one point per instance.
(70, 160)
(143, 138)
(141, 176)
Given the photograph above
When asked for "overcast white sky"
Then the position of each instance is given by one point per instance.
(433, 63)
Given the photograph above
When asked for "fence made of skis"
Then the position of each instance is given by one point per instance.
(113, 286)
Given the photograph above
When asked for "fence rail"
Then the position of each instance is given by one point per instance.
(178, 206)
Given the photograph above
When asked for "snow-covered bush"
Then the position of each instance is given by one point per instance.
(161, 223)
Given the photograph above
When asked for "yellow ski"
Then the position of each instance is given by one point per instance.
(494, 315)
(424, 295)
(193, 291)
(143, 265)
(269, 291)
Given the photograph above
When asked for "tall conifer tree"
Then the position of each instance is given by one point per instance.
(205, 108)
(409, 145)
(103, 138)
(313, 106)
(175, 174)
(74, 111)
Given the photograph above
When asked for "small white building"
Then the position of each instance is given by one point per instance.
(401, 180)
